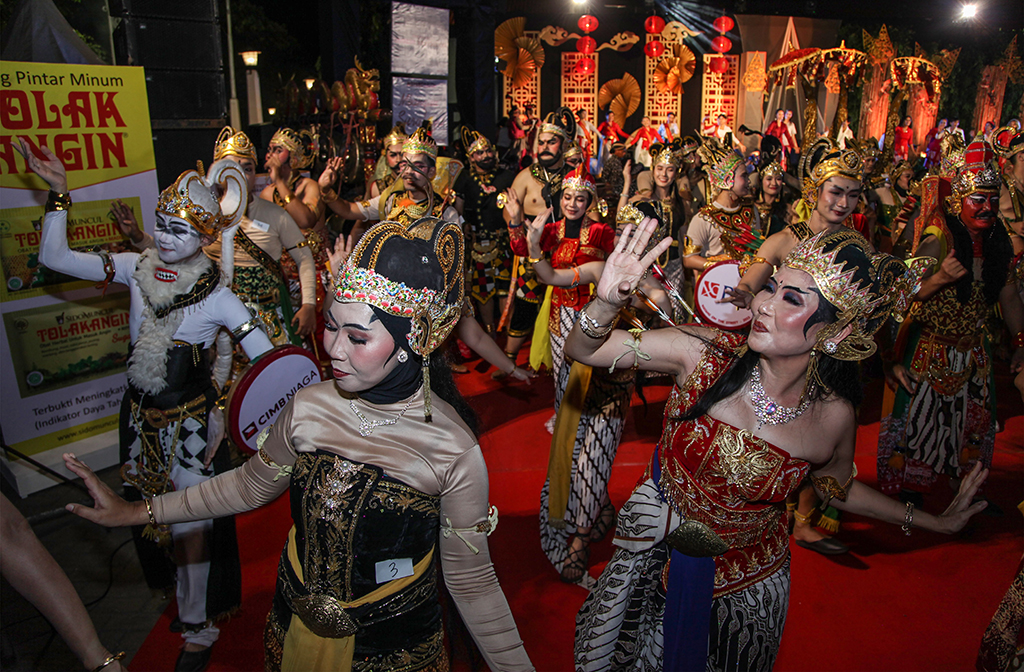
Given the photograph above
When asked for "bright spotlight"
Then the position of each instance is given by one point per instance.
(969, 11)
(579, 2)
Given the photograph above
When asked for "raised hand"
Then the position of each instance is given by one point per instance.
(961, 508)
(274, 168)
(737, 296)
(339, 254)
(108, 509)
(513, 206)
(125, 218)
(535, 228)
(950, 270)
(50, 168)
(627, 264)
(330, 174)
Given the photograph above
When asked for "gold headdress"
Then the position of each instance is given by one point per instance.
(210, 202)
(722, 173)
(865, 287)
(773, 169)
(397, 136)
(233, 143)
(421, 142)
(976, 174)
(412, 272)
(824, 160)
(561, 122)
(572, 151)
(474, 142)
(579, 179)
(951, 150)
(1007, 141)
(666, 154)
(300, 145)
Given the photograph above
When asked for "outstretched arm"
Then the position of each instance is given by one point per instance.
(473, 335)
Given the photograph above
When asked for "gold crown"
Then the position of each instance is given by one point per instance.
(233, 143)
(866, 288)
(300, 146)
(397, 136)
(474, 142)
(420, 142)
(571, 151)
(561, 122)
(665, 155)
(825, 160)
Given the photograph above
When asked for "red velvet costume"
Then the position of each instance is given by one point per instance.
(611, 132)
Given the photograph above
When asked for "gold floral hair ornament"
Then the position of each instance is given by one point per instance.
(773, 169)
(824, 160)
(412, 272)
(421, 142)
(723, 172)
(233, 143)
(629, 214)
(561, 122)
(210, 203)
(397, 136)
(865, 287)
(474, 142)
(1007, 141)
(301, 146)
(976, 174)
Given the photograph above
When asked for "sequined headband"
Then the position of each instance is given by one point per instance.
(773, 169)
(554, 129)
(397, 136)
(233, 143)
(828, 161)
(723, 172)
(666, 157)
(420, 143)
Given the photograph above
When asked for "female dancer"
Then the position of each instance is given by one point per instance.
(749, 420)
(385, 474)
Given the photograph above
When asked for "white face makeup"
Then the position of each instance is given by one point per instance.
(176, 240)
(360, 347)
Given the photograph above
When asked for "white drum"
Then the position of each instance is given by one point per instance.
(710, 289)
(258, 395)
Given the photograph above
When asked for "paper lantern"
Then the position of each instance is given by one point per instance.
(723, 24)
(587, 23)
(721, 44)
(585, 66)
(718, 64)
(586, 45)
(654, 25)
(654, 49)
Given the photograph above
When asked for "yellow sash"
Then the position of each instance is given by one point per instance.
(306, 652)
(562, 443)
(540, 346)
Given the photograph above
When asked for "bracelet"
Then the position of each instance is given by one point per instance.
(575, 277)
(57, 201)
(149, 510)
(1018, 340)
(286, 198)
(111, 658)
(908, 519)
(535, 261)
(329, 195)
(590, 327)
(514, 226)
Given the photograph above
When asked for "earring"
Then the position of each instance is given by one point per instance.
(403, 356)
(831, 347)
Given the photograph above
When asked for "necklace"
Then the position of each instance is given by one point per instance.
(366, 427)
(766, 410)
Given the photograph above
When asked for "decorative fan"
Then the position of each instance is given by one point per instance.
(523, 55)
(622, 95)
(672, 71)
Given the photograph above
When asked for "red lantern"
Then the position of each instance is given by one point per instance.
(721, 44)
(585, 66)
(723, 24)
(654, 25)
(587, 23)
(654, 49)
(586, 45)
(718, 64)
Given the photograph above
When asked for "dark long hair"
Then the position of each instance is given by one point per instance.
(997, 250)
(443, 385)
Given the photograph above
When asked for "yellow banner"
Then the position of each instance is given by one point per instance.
(95, 118)
(91, 226)
(57, 346)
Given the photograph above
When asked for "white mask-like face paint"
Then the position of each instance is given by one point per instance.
(176, 240)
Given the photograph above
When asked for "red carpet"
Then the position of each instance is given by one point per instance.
(894, 603)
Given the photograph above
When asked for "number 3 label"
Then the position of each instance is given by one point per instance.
(389, 570)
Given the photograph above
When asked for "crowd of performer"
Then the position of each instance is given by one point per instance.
(588, 245)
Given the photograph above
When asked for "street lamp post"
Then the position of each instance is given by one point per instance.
(252, 86)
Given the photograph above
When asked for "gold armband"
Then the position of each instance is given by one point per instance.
(56, 201)
(830, 488)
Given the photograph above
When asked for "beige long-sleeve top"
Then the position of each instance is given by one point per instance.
(439, 458)
(274, 231)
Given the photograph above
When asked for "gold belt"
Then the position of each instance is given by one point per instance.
(273, 297)
(161, 419)
(962, 343)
